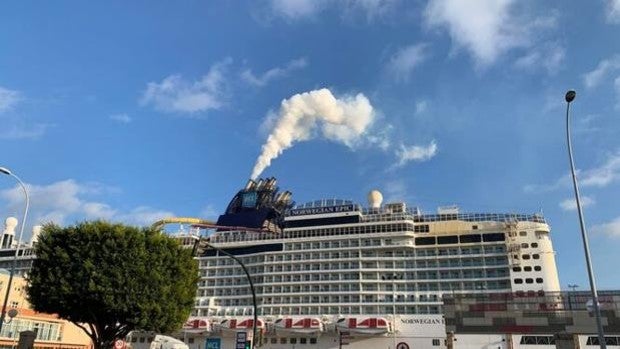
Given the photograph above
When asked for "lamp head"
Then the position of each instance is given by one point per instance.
(12, 313)
(5, 171)
(570, 96)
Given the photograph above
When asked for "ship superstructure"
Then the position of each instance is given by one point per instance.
(374, 273)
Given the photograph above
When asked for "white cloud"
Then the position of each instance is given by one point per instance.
(66, 201)
(122, 118)
(292, 10)
(372, 8)
(176, 95)
(395, 190)
(297, 9)
(600, 176)
(561, 182)
(143, 215)
(416, 153)
(602, 70)
(14, 132)
(210, 212)
(617, 88)
(421, 107)
(403, 62)
(8, 99)
(98, 210)
(603, 175)
(571, 204)
(273, 73)
(613, 11)
(548, 56)
(487, 28)
(611, 229)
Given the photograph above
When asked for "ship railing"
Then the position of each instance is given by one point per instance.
(373, 215)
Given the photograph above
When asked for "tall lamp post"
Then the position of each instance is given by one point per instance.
(570, 96)
(247, 274)
(7, 172)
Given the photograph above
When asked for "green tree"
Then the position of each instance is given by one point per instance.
(110, 279)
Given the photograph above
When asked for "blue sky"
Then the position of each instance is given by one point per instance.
(135, 111)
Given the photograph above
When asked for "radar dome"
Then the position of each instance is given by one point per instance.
(10, 223)
(375, 198)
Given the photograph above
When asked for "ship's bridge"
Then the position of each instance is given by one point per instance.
(325, 203)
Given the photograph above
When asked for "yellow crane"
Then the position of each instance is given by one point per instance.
(181, 220)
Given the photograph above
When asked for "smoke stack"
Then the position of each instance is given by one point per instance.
(250, 185)
(259, 184)
(342, 120)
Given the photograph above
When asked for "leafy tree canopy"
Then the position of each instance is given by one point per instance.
(110, 279)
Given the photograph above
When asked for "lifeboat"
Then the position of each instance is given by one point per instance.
(367, 326)
(196, 325)
(239, 325)
(299, 325)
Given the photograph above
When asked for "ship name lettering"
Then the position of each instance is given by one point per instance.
(422, 321)
(319, 210)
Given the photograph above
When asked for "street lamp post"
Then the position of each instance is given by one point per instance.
(247, 274)
(7, 172)
(570, 96)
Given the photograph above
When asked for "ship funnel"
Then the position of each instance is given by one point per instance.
(259, 184)
(271, 182)
(250, 185)
(285, 196)
(375, 198)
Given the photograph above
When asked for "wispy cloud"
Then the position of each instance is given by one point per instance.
(395, 190)
(613, 11)
(604, 68)
(611, 229)
(600, 176)
(274, 73)
(486, 28)
(293, 10)
(603, 175)
(122, 118)
(15, 132)
(177, 95)
(210, 212)
(69, 200)
(371, 8)
(617, 88)
(549, 57)
(297, 9)
(143, 215)
(421, 107)
(416, 153)
(561, 182)
(8, 99)
(571, 204)
(402, 63)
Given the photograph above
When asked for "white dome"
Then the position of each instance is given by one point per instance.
(10, 223)
(375, 198)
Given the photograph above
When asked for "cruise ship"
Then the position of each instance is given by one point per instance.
(332, 273)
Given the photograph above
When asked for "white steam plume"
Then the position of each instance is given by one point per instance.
(344, 120)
